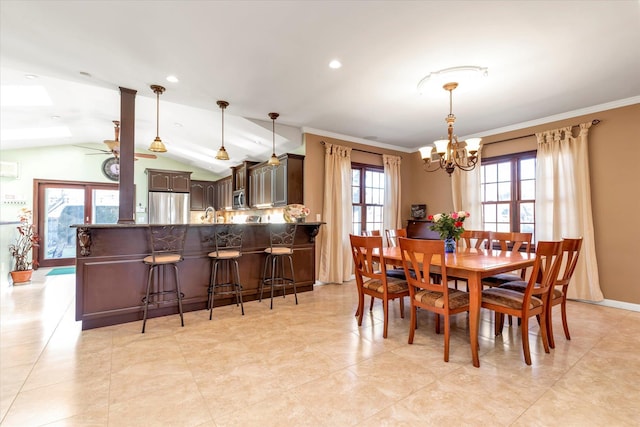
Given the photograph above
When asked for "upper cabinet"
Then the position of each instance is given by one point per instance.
(224, 193)
(168, 181)
(240, 175)
(202, 195)
(277, 186)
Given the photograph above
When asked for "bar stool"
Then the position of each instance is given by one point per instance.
(282, 237)
(228, 243)
(167, 245)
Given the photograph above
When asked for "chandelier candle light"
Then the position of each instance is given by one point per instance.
(452, 153)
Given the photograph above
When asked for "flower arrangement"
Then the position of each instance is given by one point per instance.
(27, 239)
(296, 212)
(449, 226)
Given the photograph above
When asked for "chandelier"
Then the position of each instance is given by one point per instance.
(451, 153)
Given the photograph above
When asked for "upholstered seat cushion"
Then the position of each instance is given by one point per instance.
(279, 251)
(508, 298)
(224, 254)
(393, 285)
(521, 286)
(162, 259)
(498, 279)
(457, 298)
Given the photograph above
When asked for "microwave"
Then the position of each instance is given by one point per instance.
(239, 199)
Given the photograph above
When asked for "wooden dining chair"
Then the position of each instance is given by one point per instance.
(533, 301)
(473, 239)
(558, 294)
(372, 279)
(509, 241)
(392, 236)
(437, 297)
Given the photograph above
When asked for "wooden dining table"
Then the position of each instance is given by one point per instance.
(472, 265)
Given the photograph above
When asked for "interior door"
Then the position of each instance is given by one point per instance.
(62, 204)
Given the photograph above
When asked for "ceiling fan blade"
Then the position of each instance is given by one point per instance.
(95, 149)
(145, 156)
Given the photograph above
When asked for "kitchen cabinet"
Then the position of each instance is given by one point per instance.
(277, 186)
(202, 195)
(240, 175)
(224, 193)
(168, 181)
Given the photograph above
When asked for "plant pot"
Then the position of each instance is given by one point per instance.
(22, 276)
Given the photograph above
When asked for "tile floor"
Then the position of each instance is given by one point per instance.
(308, 364)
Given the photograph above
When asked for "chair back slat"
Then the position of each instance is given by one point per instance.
(167, 239)
(571, 251)
(545, 269)
(417, 258)
(477, 239)
(512, 241)
(392, 236)
(362, 249)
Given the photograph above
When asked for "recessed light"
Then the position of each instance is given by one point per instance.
(172, 79)
(335, 64)
(55, 117)
(178, 125)
(84, 73)
(30, 76)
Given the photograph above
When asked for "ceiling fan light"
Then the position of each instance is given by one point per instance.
(222, 154)
(157, 146)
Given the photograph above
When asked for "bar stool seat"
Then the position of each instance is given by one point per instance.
(228, 244)
(282, 237)
(167, 245)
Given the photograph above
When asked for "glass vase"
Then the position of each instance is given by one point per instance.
(450, 245)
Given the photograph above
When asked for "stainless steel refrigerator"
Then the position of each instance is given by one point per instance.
(168, 208)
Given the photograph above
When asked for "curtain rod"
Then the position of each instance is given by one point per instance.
(593, 122)
(357, 149)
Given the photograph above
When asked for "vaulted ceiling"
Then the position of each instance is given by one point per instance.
(544, 59)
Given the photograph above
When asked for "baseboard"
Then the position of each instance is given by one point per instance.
(615, 304)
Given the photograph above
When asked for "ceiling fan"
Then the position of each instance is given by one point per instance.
(113, 146)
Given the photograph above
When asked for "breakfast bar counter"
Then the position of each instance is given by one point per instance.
(111, 277)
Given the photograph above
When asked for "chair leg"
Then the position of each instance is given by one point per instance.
(437, 323)
(446, 337)
(543, 331)
(274, 264)
(565, 325)
(549, 328)
(179, 294)
(401, 307)
(238, 286)
(385, 306)
(524, 328)
(212, 287)
(371, 305)
(264, 275)
(293, 279)
(360, 304)
(146, 299)
(413, 324)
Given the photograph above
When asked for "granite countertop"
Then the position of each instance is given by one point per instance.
(252, 224)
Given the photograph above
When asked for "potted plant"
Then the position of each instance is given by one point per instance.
(22, 249)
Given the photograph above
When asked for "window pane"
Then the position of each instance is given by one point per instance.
(105, 206)
(528, 168)
(491, 173)
(526, 213)
(504, 172)
(503, 227)
(490, 213)
(527, 190)
(504, 191)
(491, 193)
(63, 207)
(357, 214)
(504, 213)
(355, 195)
(526, 228)
(355, 177)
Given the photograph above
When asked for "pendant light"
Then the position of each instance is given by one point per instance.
(157, 145)
(222, 153)
(273, 161)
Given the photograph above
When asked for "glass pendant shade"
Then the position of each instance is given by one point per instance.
(473, 144)
(222, 154)
(273, 160)
(441, 146)
(157, 146)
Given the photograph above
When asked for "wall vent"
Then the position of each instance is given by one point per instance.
(9, 169)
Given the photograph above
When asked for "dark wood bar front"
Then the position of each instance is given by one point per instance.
(111, 277)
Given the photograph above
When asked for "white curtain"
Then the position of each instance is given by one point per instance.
(335, 249)
(465, 187)
(563, 202)
(393, 211)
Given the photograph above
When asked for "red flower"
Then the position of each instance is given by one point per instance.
(458, 224)
(430, 217)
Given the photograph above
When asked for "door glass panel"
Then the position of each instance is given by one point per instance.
(105, 206)
(63, 207)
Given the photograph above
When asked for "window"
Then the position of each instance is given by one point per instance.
(367, 197)
(508, 185)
